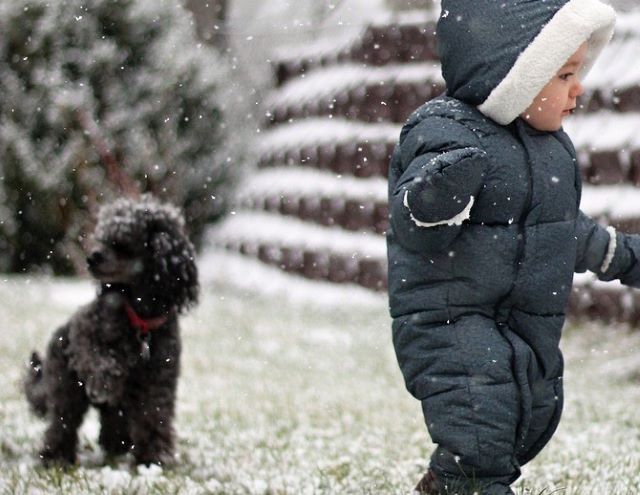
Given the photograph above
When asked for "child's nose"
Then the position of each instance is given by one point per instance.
(577, 90)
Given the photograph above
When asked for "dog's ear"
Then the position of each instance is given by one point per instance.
(173, 269)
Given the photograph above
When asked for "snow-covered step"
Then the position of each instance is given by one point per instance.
(329, 81)
(271, 229)
(343, 147)
(322, 253)
(618, 65)
(319, 197)
(617, 203)
(390, 93)
(314, 132)
(361, 204)
(389, 39)
(357, 92)
(608, 145)
(304, 182)
(614, 82)
(609, 301)
(604, 131)
(347, 258)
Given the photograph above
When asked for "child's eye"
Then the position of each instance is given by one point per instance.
(565, 77)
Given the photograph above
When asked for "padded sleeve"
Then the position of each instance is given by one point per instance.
(607, 253)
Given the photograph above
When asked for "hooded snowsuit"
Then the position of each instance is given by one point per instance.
(486, 233)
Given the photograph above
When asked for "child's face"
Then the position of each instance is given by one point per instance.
(558, 98)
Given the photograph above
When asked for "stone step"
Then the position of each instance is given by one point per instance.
(331, 267)
(259, 227)
(351, 79)
(349, 214)
(372, 215)
(410, 39)
(617, 205)
(366, 159)
(316, 252)
(376, 103)
(608, 146)
(340, 268)
(358, 159)
(610, 302)
(390, 94)
(357, 93)
(319, 197)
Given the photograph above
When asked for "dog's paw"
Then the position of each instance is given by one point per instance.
(163, 460)
(60, 459)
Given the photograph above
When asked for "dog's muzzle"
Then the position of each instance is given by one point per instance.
(95, 258)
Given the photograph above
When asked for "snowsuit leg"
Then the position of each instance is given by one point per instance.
(462, 372)
(541, 396)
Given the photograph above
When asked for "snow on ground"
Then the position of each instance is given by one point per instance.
(291, 387)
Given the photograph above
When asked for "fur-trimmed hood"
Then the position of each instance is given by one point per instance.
(498, 54)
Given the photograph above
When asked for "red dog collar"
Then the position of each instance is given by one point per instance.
(144, 325)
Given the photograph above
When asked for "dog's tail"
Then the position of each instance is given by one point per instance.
(34, 387)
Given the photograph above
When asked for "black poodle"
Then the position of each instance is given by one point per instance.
(121, 352)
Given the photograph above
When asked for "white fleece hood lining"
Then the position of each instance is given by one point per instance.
(576, 22)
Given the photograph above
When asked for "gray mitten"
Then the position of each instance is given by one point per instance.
(445, 192)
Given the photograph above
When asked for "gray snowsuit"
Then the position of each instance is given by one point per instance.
(486, 233)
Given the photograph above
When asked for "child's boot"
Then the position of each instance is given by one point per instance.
(427, 485)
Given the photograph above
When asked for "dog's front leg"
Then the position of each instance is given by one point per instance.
(67, 405)
(152, 433)
(114, 434)
(152, 412)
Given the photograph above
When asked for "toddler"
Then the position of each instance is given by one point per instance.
(486, 233)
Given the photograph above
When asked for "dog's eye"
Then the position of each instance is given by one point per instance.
(122, 249)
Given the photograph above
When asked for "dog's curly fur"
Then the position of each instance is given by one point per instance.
(144, 262)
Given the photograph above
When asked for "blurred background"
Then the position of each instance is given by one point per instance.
(270, 123)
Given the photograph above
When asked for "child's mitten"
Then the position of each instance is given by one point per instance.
(444, 191)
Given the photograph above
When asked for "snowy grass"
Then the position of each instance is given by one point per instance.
(305, 397)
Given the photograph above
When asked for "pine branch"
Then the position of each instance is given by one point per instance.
(115, 174)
